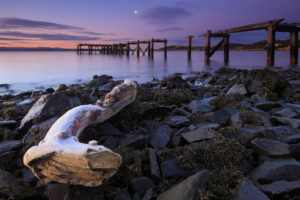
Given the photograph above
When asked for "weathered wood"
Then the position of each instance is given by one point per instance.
(152, 48)
(294, 48)
(138, 48)
(189, 47)
(61, 158)
(216, 47)
(285, 28)
(207, 47)
(165, 49)
(226, 50)
(271, 45)
(127, 48)
(251, 27)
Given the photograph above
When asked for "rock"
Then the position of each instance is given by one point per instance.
(49, 106)
(99, 80)
(254, 84)
(177, 121)
(8, 123)
(151, 194)
(294, 107)
(155, 172)
(161, 136)
(136, 141)
(27, 175)
(199, 134)
(57, 191)
(123, 195)
(280, 187)
(7, 156)
(171, 168)
(248, 191)
(237, 89)
(293, 139)
(107, 129)
(61, 87)
(277, 170)
(176, 138)
(286, 112)
(111, 142)
(281, 132)
(295, 150)
(246, 119)
(271, 147)
(267, 105)
(247, 134)
(295, 123)
(201, 105)
(142, 184)
(188, 188)
(223, 116)
(83, 193)
(9, 146)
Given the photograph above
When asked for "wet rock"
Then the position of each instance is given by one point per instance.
(280, 187)
(171, 168)
(237, 89)
(267, 105)
(276, 170)
(155, 172)
(199, 134)
(286, 112)
(49, 106)
(107, 129)
(271, 147)
(142, 184)
(201, 105)
(223, 116)
(174, 81)
(9, 145)
(123, 195)
(295, 123)
(177, 121)
(248, 191)
(161, 136)
(136, 141)
(99, 80)
(188, 188)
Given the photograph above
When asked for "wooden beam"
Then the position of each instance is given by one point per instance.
(284, 28)
(207, 47)
(165, 48)
(216, 47)
(271, 45)
(251, 27)
(152, 48)
(189, 47)
(294, 48)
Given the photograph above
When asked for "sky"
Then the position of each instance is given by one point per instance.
(64, 23)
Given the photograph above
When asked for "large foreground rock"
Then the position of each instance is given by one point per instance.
(277, 170)
(161, 136)
(248, 191)
(187, 189)
(280, 187)
(271, 147)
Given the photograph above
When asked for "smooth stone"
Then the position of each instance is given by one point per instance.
(188, 188)
(199, 134)
(161, 136)
(281, 132)
(271, 147)
(136, 141)
(267, 105)
(171, 168)
(142, 184)
(155, 171)
(286, 112)
(248, 191)
(247, 134)
(202, 105)
(293, 139)
(9, 146)
(208, 125)
(177, 121)
(295, 123)
(276, 170)
(99, 80)
(223, 116)
(280, 187)
(8, 123)
(237, 89)
(294, 107)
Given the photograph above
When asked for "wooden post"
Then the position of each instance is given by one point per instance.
(226, 49)
(152, 47)
(207, 47)
(127, 48)
(165, 48)
(271, 46)
(138, 48)
(294, 47)
(149, 49)
(189, 47)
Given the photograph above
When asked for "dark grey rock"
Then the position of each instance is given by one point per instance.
(177, 138)
(279, 187)
(199, 134)
(267, 105)
(142, 184)
(247, 134)
(295, 123)
(293, 139)
(294, 107)
(248, 191)
(188, 188)
(155, 172)
(136, 141)
(123, 195)
(223, 116)
(295, 150)
(277, 170)
(8, 123)
(281, 132)
(111, 142)
(9, 146)
(286, 112)
(253, 86)
(27, 175)
(171, 168)
(201, 105)
(270, 147)
(177, 121)
(161, 136)
(7, 156)
(150, 195)
(237, 89)
(107, 129)
(99, 80)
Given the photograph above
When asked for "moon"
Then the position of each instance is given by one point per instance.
(136, 12)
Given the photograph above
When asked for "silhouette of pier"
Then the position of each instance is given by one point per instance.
(129, 48)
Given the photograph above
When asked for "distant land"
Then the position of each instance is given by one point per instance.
(257, 46)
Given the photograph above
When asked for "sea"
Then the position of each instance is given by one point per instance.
(22, 71)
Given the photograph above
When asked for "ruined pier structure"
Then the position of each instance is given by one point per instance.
(131, 47)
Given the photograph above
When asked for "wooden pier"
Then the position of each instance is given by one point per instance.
(271, 27)
(129, 48)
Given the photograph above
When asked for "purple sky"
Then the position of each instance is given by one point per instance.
(63, 23)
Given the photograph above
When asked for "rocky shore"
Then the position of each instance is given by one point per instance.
(233, 134)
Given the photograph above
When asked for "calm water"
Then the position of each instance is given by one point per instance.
(36, 70)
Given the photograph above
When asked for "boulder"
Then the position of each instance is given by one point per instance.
(161, 136)
(99, 80)
(277, 170)
(286, 112)
(48, 106)
(177, 121)
(223, 116)
(142, 184)
(107, 129)
(188, 188)
(123, 195)
(9, 146)
(267, 105)
(295, 123)
(281, 132)
(135, 141)
(280, 187)
(199, 134)
(201, 105)
(237, 89)
(248, 191)
(171, 168)
(155, 172)
(271, 147)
